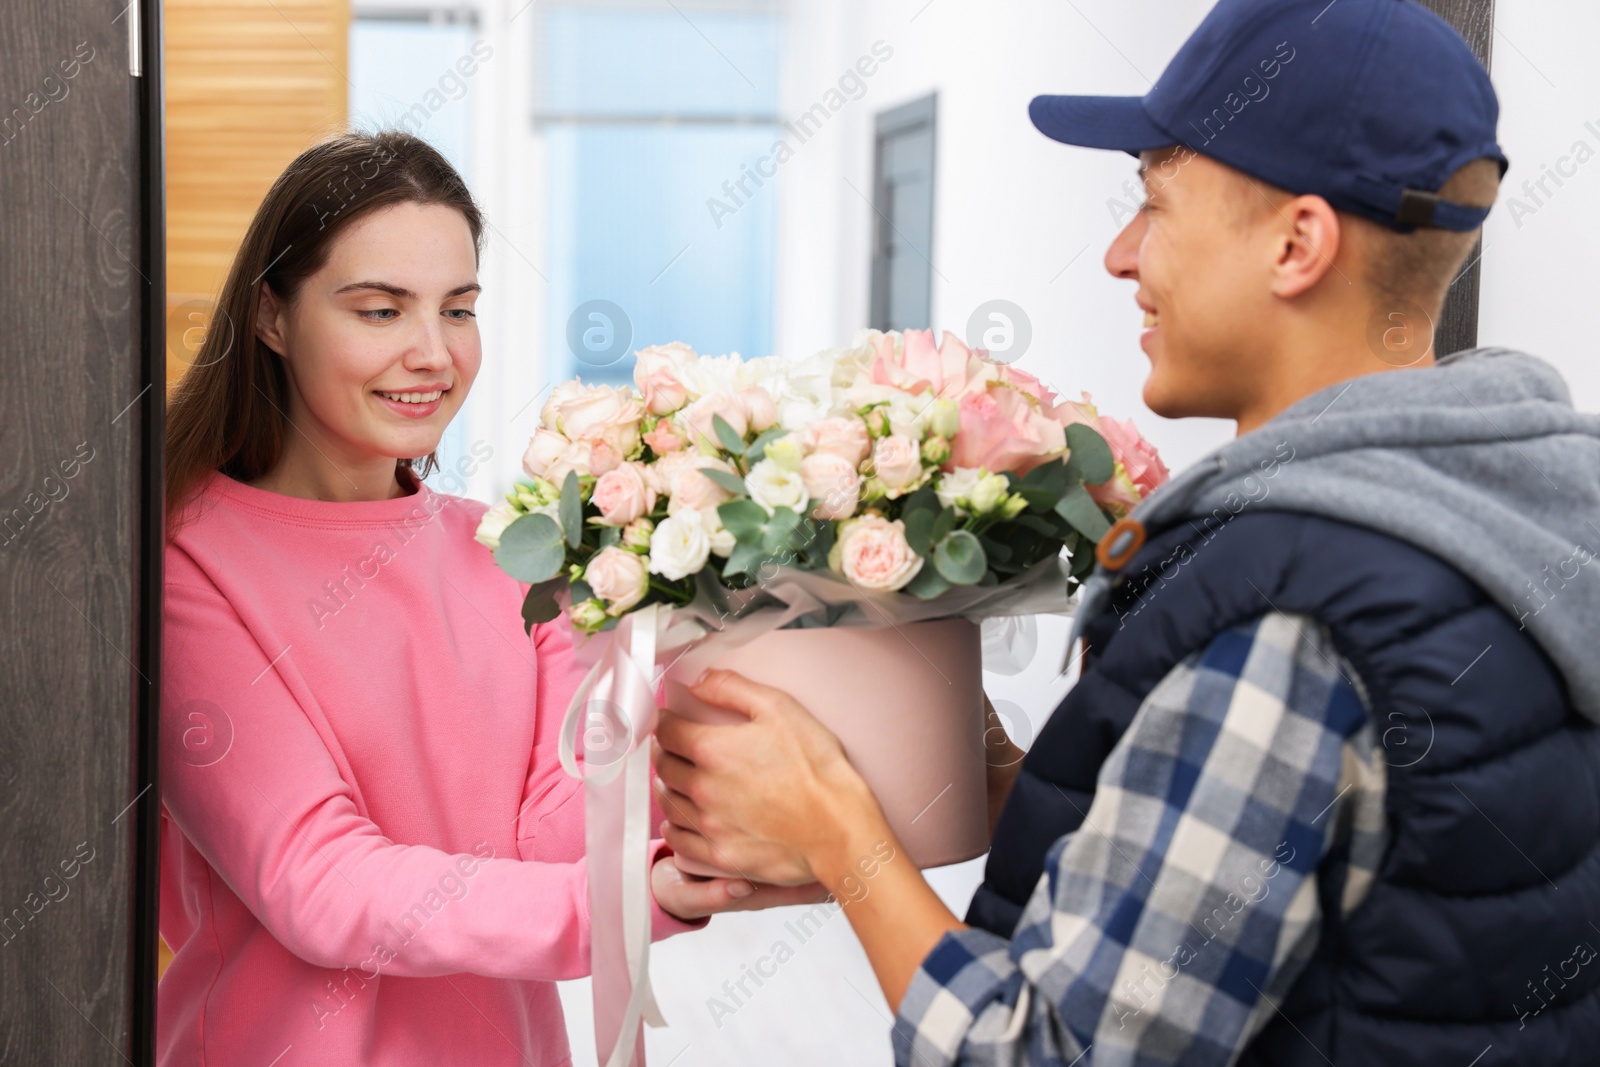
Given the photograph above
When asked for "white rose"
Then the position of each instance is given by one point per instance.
(679, 546)
(772, 487)
(957, 485)
(722, 542)
(944, 417)
(494, 523)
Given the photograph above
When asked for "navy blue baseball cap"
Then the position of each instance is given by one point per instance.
(1370, 104)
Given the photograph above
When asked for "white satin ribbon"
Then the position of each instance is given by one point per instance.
(617, 831)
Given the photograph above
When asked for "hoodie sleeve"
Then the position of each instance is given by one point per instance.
(269, 810)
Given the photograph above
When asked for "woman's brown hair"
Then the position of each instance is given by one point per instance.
(229, 410)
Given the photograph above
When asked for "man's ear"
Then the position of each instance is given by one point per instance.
(268, 314)
(1308, 245)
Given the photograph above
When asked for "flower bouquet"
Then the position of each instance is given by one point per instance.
(833, 526)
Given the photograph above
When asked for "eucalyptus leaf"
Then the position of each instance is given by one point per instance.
(743, 559)
(725, 434)
(743, 518)
(960, 558)
(942, 525)
(919, 530)
(1078, 508)
(531, 549)
(571, 510)
(927, 584)
(780, 529)
(731, 482)
(1090, 460)
(540, 606)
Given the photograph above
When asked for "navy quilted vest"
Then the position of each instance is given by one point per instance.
(1477, 931)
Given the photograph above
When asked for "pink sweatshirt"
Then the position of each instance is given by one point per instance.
(369, 851)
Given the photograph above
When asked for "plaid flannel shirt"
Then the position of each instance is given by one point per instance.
(1167, 929)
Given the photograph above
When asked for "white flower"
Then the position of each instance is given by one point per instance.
(786, 452)
(956, 487)
(722, 542)
(772, 487)
(494, 523)
(990, 492)
(944, 417)
(679, 546)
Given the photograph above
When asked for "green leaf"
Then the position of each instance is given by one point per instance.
(730, 440)
(919, 530)
(1043, 486)
(780, 529)
(1078, 508)
(924, 498)
(821, 543)
(758, 447)
(531, 549)
(743, 518)
(960, 558)
(610, 535)
(731, 482)
(540, 606)
(943, 525)
(927, 584)
(581, 591)
(743, 559)
(1091, 461)
(571, 510)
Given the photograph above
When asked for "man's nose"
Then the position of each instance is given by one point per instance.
(1122, 258)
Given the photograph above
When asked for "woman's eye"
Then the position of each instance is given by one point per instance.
(462, 314)
(379, 311)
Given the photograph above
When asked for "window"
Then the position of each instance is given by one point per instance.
(654, 117)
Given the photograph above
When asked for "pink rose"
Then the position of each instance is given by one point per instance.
(622, 495)
(700, 417)
(872, 553)
(543, 450)
(618, 577)
(763, 412)
(832, 484)
(664, 439)
(897, 460)
(582, 458)
(844, 436)
(602, 413)
(691, 489)
(919, 365)
(657, 371)
(1138, 457)
(561, 396)
(1116, 494)
(1004, 430)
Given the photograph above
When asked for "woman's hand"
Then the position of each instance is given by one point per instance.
(690, 898)
(774, 798)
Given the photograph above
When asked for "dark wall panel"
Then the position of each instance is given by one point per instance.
(79, 424)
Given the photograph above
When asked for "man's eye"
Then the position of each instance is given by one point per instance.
(463, 314)
(379, 311)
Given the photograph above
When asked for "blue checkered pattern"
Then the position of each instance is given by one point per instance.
(1167, 929)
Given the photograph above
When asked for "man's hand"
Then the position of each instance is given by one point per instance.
(690, 898)
(774, 798)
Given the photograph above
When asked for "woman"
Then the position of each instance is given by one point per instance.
(370, 853)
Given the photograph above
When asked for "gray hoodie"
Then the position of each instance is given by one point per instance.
(1479, 459)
